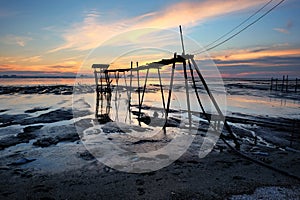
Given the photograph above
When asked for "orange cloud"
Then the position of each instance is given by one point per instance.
(253, 54)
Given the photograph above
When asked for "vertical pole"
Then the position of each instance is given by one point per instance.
(237, 145)
(161, 89)
(128, 97)
(196, 91)
(116, 97)
(271, 84)
(130, 84)
(125, 80)
(144, 89)
(101, 86)
(171, 87)
(187, 94)
(282, 85)
(183, 52)
(287, 83)
(276, 86)
(97, 94)
(139, 95)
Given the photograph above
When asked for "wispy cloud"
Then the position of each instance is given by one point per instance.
(94, 29)
(286, 29)
(15, 40)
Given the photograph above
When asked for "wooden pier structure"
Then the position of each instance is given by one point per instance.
(191, 73)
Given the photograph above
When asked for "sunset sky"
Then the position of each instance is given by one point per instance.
(54, 37)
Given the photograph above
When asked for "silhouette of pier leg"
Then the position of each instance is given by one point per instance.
(187, 94)
(170, 89)
(237, 145)
(196, 92)
(139, 95)
(162, 90)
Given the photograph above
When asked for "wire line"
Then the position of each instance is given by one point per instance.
(246, 27)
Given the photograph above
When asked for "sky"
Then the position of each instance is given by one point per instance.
(60, 38)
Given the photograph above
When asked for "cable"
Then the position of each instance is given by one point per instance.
(243, 22)
(232, 36)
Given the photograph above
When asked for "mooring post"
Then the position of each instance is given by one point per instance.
(139, 95)
(282, 84)
(271, 87)
(276, 86)
(287, 83)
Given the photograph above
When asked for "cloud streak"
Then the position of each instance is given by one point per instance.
(94, 30)
(15, 40)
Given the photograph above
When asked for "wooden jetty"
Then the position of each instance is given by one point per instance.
(191, 72)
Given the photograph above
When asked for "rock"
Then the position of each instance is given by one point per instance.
(50, 117)
(86, 155)
(8, 120)
(4, 168)
(71, 137)
(36, 109)
(8, 141)
(45, 142)
(29, 129)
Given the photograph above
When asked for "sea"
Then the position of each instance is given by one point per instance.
(245, 96)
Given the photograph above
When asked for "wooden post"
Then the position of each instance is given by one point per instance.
(162, 90)
(145, 85)
(282, 84)
(170, 89)
(130, 84)
(287, 83)
(271, 88)
(237, 145)
(187, 93)
(139, 95)
(276, 86)
(196, 91)
(296, 85)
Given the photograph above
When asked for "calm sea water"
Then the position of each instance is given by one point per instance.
(251, 101)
